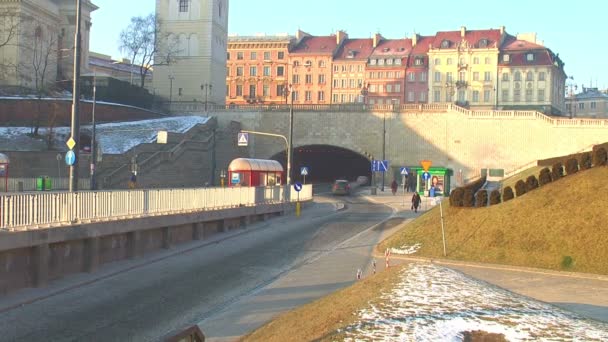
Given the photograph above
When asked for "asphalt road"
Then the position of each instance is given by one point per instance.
(204, 284)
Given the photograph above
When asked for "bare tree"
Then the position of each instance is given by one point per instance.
(143, 41)
(9, 29)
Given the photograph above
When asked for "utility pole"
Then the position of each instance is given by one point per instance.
(75, 122)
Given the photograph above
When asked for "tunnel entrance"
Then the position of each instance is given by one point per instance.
(326, 163)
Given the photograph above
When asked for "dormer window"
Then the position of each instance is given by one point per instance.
(397, 61)
(529, 57)
(372, 61)
(389, 61)
(183, 6)
(506, 58)
(419, 61)
(296, 63)
(308, 63)
(385, 50)
(483, 43)
(445, 44)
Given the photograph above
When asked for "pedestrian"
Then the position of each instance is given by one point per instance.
(359, 274)
(387, 254)
(133, 181)
(416, 201)
(374, 266)
(394, 187)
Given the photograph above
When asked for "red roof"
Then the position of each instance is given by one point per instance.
(512, 43)
(316, 45)
(519, 49)
(423, 44)
(393, 47)
(473, 37)
(355, 49)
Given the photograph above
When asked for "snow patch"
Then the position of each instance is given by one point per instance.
(406, 249)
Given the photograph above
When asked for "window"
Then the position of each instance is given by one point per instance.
(295, 95)
(461, 61)
(322, 79)
(410, 96)
(253, 71)
(360, 68)
(228, 90)
(390, 74)
(505, 76)
(541, 95)
(445, 44)
(381, 88)
(529, 76)
(239, 55)
(321, 96)
(228, 56)
(461, 76)
(280, 71)
(239, 90)
(487, 76)
(593, 105)
(541, 76)
(351, 98)
(448, 76)
(344, 68)
(239, 71)
(343, 98)
(266, 55)
(398, 74)
(308, 96)
(506, 58)
(308, 63)
(581, 105)
(343, 83)
(483, 43)
(437, 96)
(228, 69)
(437, 61)
(505, 95)
(389, 88)
(397, 87)
(266, 90)
(487, 60)
(281, 55)
(530, 57)
(411, 77)
(295, 79)
(461, 96)
(517, 76)
(516, 95)
(568, 106)
(336, 84)
(381, 61)
(336, 69)
(308, 79)
(351, 83)
(486, 96)
(253, 56)
(266, 70)
(397, 61)
(296, 64)
(437, 76)
(422, 97)
(449, 61)
(372, 62)
(389, 61)
(476, 60)
(448, 95)
(419, 61)
(475, 95)
(423, 76)
(351, 68)
(252, 89)
(321, 64)
(372, 88)
(476, 76)
(335, 98)
(183, 6)
(280, 88)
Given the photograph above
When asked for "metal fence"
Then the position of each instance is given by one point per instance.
(49, 209)
(57, 183)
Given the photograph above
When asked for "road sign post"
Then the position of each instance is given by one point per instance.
(297, 186)
(243, 139)
(304, 172)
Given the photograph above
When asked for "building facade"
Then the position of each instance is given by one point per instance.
(590, 103)
(385, 71)
(257, 69)
(348, 70)
(101, 65)
(37, 39)
(195, 32)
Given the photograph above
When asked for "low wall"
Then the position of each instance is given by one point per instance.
(36, 257)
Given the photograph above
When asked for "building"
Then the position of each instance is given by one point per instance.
(195, 31)
(531, 76)
(590, 103)
(36, 42)
(101, 65)
(385, 81)
(257, 69)
(348, 70)
(416, 77)
(310, 67)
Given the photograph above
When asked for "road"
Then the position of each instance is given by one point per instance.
(206, 283)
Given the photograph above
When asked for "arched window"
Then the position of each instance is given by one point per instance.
(517, 76)
(437, 61)
(529, 76)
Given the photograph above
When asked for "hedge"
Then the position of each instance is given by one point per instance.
(585, 161)
(494, 197)
(507, 194)
(468, 199)
(571, 166)
(599, 156)
(531, 183)
(544, 177)
(481, 198)
(557, 171)
(520, 188)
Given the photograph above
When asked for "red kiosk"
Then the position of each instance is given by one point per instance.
(255, 172)
(4, 161)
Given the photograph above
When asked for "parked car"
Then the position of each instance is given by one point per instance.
(341, 187)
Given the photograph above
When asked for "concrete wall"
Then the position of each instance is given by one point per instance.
(36, 257)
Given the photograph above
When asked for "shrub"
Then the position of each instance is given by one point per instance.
(456, 197)
(544, 177)
(495, 197)
(507, 194)
(571, 166)
(599, 157)
(531, 183)
(585, 161)
(557, 171)
(468, 198)
(520, 188)
(567, 261)
(481, 198)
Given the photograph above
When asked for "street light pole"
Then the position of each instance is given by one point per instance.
(75, 122)
(93, 144)
(383, 145)
(171, 88)
(290, 148)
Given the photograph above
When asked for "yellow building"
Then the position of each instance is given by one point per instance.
(36, 39)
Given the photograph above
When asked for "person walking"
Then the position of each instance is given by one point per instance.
(416, 201)
(394, 187)
(374, 266)
(359, 274)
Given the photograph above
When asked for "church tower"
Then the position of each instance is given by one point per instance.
(191, 64)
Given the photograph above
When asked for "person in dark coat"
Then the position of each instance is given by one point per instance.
(394, 187)
(416, 201)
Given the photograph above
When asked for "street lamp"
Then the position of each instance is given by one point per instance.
(93, 144)
(223, 177)
(171, 77)
(450, 90)
(289, 92)
(206, 88)
(573, 88)
(364, 92)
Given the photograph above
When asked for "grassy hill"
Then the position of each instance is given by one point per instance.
(561, 226)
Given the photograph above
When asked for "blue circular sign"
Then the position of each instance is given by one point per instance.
(426, 176)
(297, 186)
(70, 158)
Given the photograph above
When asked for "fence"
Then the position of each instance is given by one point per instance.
(29, 184)
(48, 209)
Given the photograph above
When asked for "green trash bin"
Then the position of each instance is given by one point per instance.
(48, 183)
(40, 183)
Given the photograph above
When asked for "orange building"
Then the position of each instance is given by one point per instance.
(310, 65)
(257, 69)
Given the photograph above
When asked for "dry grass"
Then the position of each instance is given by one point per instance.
(322, 320)
(564, 218)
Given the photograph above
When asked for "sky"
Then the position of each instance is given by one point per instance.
(571, 29)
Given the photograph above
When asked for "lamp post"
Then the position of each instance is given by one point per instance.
(75, 122)
(206, 87)
(171, 77)
(93, 144)
(223, 177)
(290, 147)
(573, 88)
(449, 85)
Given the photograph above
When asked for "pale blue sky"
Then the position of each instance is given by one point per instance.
(573, 29)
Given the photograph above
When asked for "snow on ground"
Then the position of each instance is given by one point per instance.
(114, 138)
(433, 303)
(406, 249)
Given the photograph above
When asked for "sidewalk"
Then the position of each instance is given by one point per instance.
(582, 293)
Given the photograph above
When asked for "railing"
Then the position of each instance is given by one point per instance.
(29, 184)
(41, 210)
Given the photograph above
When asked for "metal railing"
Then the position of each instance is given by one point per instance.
(42, 210)
(30, 184)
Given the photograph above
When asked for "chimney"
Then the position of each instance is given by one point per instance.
(463, 31)
(502, 30)
(340, 36)
(301, 34)
(377, 38)
(414, 39)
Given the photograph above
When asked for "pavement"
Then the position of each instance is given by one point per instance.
(581, 293)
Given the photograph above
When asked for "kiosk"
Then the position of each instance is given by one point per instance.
(439, 180)
(255, 172)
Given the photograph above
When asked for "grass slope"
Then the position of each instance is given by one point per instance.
(566, 218)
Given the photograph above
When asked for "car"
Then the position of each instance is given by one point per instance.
(341, 187)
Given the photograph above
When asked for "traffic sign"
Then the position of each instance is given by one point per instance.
(405, 171)
(379, 165)
(426, 176)
(426, 164)
(71, 143)
(304, 171)
(70, 158)
(297, 186)
(236, 178)
(243, 139)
